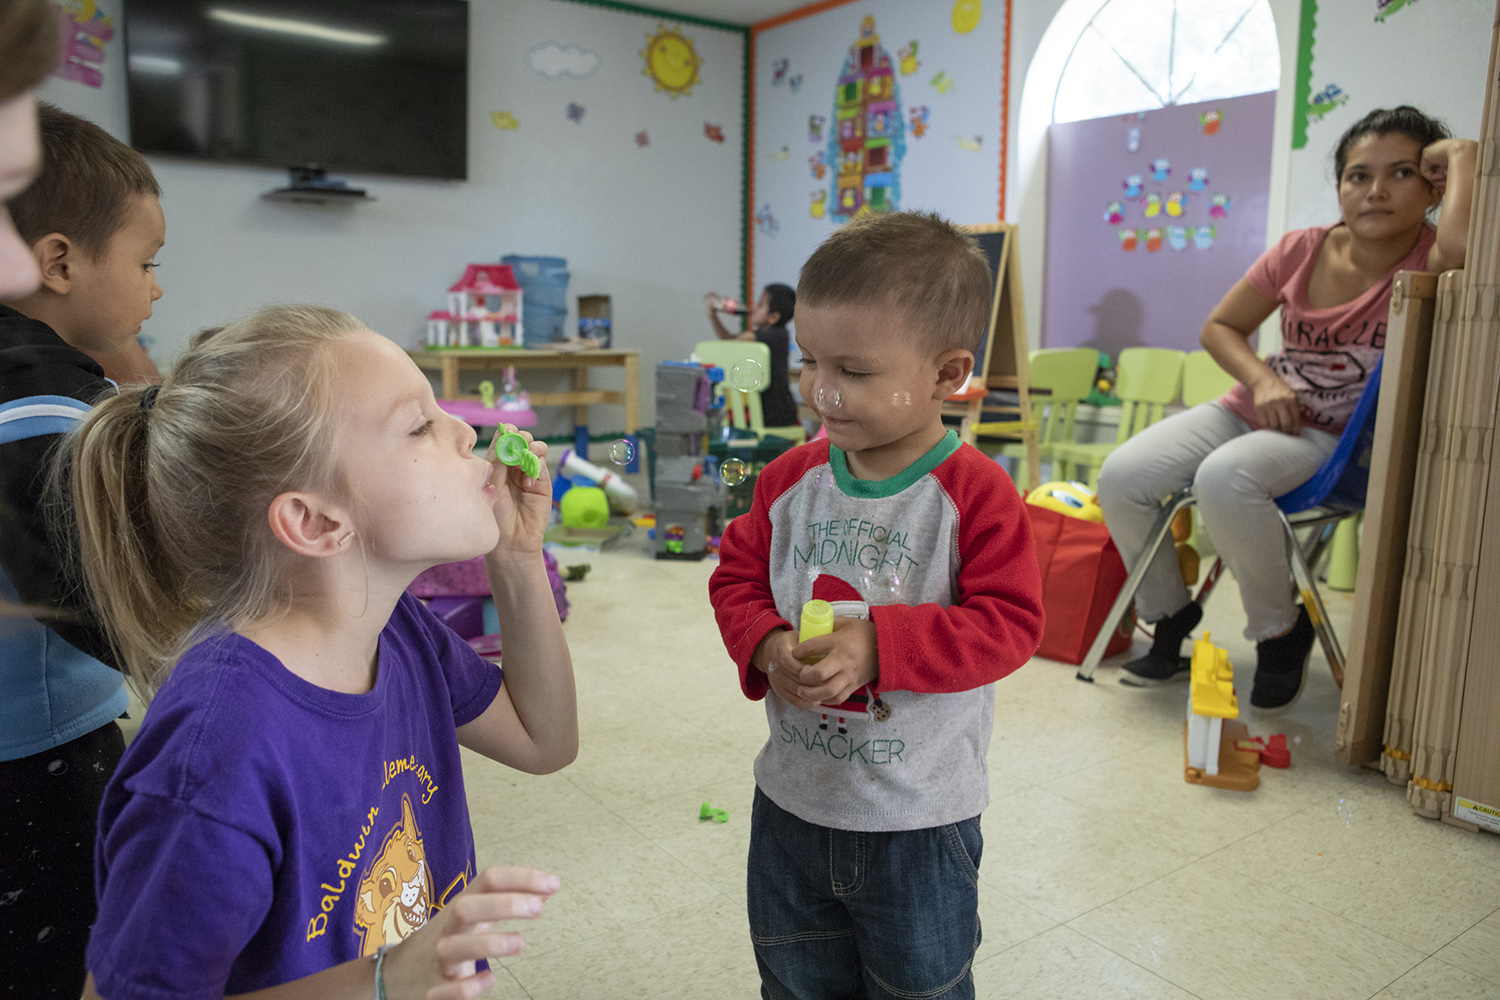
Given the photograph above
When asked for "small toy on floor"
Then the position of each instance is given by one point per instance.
(578, 572)
(710, 813)
(1213, 736)
(1273, 752)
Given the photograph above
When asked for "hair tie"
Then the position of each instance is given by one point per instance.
(148, 397)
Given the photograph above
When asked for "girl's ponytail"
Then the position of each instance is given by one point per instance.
(133, 587)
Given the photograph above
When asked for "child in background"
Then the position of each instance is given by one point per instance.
(94, 224)
(89, 226)
(293, 807)
(864, 838)
(768, 320)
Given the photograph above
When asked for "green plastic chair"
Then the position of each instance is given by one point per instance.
(1203, 379)
(744, 406)
(1149, 379)
(1067, 373)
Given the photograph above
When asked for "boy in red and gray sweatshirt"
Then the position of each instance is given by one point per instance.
(864, 841)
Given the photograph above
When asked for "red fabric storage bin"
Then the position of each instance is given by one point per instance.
(1082, 574)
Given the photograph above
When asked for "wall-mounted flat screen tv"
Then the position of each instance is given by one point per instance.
(373, 86)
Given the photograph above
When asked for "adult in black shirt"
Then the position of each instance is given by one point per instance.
(768, 320)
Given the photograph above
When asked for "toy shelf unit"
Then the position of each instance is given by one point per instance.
(484, 310)
(311, 185)
(690, 502)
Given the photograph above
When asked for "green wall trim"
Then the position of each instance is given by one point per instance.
(748, 293)
(665, 15)
(1302, 95)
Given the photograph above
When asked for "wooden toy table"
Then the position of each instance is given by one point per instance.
(453, 360)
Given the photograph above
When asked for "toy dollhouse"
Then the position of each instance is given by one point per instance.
(484, 310)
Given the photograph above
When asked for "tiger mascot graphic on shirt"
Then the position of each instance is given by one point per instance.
(395, 891)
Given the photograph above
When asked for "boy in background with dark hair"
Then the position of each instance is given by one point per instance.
(93, 226)
(864, 838)
(768, 320)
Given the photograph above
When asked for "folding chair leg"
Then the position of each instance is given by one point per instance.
(1318, 546)
(1159, 531)
(1209, 581)
(1313, 602)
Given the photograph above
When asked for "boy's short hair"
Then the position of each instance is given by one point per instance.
(28, 45)
(783, 301)
(86, 185)
(915, 261)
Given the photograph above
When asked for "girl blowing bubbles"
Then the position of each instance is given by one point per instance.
(291, 820)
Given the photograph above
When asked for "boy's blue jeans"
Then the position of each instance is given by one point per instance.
(838, 915)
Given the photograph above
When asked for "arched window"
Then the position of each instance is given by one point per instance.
(1136, 55)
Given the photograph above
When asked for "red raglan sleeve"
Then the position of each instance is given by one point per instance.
(995, 622)
(740, 589)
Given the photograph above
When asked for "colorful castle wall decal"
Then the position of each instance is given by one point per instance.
(869, 136)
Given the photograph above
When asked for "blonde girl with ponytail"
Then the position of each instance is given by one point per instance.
(291, 819)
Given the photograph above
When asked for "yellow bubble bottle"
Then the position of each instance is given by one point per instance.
(817, 619)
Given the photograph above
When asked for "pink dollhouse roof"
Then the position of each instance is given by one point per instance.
(487, 279)
(440, 314)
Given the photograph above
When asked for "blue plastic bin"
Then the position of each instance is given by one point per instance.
(544, 302)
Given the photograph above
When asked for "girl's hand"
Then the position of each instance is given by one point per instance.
(713, 300)
(437, 962)
(1437, 156)
(524, 507)
(1276, 405)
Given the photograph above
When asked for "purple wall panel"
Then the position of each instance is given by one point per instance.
(1116, 284)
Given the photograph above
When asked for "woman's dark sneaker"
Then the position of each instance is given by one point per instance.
(1165, 663)
(1281, 665)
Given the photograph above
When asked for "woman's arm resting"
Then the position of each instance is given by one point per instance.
(1449, 165)
(1226, 336)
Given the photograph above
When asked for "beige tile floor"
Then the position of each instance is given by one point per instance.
(1104, 874)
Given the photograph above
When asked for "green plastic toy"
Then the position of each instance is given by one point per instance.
(709, 812)
(513, 449)
(487, 394)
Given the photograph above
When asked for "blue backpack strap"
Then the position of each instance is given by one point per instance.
(35, 416)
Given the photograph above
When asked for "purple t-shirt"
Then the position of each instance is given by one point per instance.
(261, 829)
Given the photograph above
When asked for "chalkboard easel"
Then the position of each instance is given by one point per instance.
(1002, 360)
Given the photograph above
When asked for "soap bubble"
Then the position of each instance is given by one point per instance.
(733, 472)
(57, 767)
(1346, 811)
(45, 934)
(883, 586)
(622, 452)
(747, 376)
(901, 399)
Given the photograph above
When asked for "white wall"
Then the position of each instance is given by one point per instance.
(652, 227)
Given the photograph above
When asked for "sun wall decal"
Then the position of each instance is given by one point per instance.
(671, 61)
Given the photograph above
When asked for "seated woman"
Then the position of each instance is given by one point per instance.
(1273, 430)
(768, 320)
